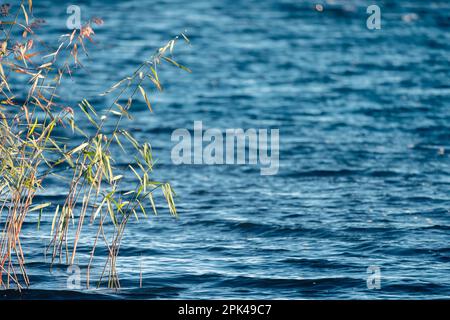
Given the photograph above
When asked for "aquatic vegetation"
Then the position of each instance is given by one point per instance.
(38, 130)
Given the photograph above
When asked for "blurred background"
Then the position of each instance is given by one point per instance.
(364, 119)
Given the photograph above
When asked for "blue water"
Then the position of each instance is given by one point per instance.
(364, 178)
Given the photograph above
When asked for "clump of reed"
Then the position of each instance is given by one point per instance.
(31, 149)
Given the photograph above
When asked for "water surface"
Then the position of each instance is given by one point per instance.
(364, 119)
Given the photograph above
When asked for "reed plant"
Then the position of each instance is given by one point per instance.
(35, 146)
